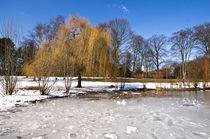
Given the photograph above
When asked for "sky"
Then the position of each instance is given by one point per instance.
(146, 17)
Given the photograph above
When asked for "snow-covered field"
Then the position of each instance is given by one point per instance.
(23, 96)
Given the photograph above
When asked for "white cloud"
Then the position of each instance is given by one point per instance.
(124, 9)
(121, 7)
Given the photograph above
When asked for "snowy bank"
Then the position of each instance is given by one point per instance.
(23, 96)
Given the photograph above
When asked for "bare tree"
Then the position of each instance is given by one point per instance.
(125, 68)
(120, 35)
(202, 38)
(148, 58)
(46, 31)
(137, 49)
(182, 45)
(11, 30)
(28, 49)
(157, 44)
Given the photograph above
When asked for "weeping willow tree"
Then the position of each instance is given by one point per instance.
(79, 32)
(79, 49)
(91, 49)
(98, 53)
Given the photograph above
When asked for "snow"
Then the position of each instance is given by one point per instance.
(110, 136)
(40, 137)
(123, 102)
(131, 130)
(146, 117)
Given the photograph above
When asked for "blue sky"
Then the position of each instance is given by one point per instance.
(146, 17)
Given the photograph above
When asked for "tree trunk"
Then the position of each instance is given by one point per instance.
(79, 81)
(157, 67)
(117, 58)
(134, 63)
(34, 78)
(157, 60)
(183, 71)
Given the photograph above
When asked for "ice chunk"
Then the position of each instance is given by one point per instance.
(131, 129)
(39, 137)
(111, 135)
(123, 102)
(71, 127)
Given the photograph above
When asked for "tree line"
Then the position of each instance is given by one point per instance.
(110, 49)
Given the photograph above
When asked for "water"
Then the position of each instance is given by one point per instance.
(181, 115)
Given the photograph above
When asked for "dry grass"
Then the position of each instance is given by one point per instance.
(31, 88)
(139, 94)
(128, 95)
(182, 89)
(131, 80)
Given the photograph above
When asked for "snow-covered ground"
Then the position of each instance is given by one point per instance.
(23, 96)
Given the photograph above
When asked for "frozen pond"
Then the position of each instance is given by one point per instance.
(180, 115)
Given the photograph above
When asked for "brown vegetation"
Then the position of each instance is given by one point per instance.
(127, 95)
